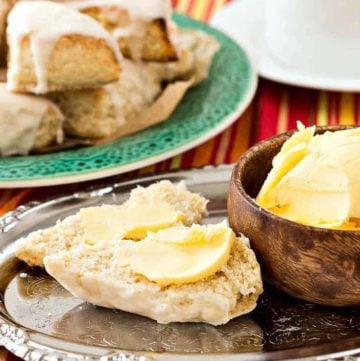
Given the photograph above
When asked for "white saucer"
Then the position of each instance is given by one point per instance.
(244, 21)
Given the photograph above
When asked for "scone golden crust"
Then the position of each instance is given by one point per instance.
(140, 35)
(72, 51)
(69, 232)
(156, 45)
(196, 52)
(35, 123)
(89, 114)
(76, 62)
(98, 113)
(95, 274)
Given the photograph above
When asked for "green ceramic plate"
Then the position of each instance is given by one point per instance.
(205, 111)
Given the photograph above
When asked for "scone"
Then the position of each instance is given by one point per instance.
(98, 113)
(177, 206)
(141, 28)
(196, 52)
(27, 123)
(170, 276)
(55, 48)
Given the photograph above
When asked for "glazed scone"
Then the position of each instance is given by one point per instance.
(98, 113)
(55, 48)
(196, 52)
(71, 231)
(141, 28)
(30, 123)
(99, 274)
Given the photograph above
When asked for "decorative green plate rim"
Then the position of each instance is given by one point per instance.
(205, 111)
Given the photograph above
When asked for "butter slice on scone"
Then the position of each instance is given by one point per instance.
(27, 123)
(211, 278)
(156, 207)
(55, 48)
(141, 28)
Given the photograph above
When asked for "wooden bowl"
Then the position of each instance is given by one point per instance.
(310, 263)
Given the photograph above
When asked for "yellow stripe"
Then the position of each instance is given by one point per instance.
(283, 113)
(182, 5)
(347, 107)
(223, 146)
(176, 162)
(322, 111)
(198, 10)
(217, 5)
(146, 170)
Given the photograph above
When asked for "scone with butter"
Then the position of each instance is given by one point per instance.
(55, 48)
(156, 207)
(179, 274)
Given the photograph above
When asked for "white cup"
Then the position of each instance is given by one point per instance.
(315, 35)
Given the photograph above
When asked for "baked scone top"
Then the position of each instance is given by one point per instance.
(44, 23)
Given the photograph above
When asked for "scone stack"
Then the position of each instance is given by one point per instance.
(92, 69)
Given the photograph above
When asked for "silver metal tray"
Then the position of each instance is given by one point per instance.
(39, 320)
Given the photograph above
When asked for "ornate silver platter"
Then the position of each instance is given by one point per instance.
(39, 320)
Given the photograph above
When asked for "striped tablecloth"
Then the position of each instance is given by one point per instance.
(275, 109)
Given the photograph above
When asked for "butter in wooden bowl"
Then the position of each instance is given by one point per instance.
(315, 179)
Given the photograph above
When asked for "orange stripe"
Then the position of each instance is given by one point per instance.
(203, 153)
(333, 112)
(282, 121)
(5, 195)
(190, 6)
(14, 201)
(182, 5)
(209, 10)
(242, 136)
(347, 109)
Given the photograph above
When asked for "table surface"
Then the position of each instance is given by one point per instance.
(275, 109)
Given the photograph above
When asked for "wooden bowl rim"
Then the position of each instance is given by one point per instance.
(273, 217)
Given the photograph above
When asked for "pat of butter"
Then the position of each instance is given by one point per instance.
(126, 222)
(322, 187)
(292, 152)
(181, 254)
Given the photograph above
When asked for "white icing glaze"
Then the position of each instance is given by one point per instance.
(44, 22)
(145, 9)
(20, 117)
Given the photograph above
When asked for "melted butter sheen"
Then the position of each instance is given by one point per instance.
(180, 255)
